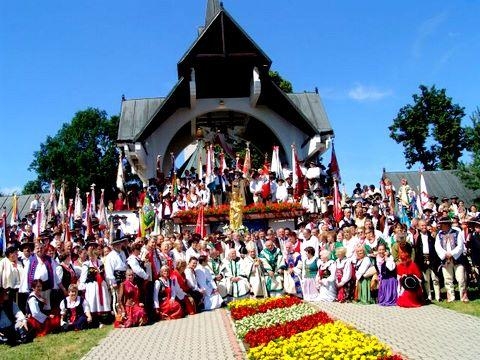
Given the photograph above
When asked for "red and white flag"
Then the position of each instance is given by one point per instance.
(78, 206)
(120, 177)
(337, 207)
(102, 212)
(93, 203)
(276, 165)
(423, 191)
(334, 168)
(298, 182)
(200, 227)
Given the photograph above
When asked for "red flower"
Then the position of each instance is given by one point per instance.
(283, 302)
(264, 335)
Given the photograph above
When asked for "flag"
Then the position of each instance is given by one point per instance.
(62, 206)
(173, 177)
(298, 182)
(238, 165)
(102, 212)
(334, 168)
(247, 163)
(423, 191)
(337, 207)
(120, 176)
(78, 207)
(266, 166)
(200, 227)
(276, 165)
(14, 216)
(223, 164)
(3, 239)
(69, 220)
(93, 206)
(40, 221)
(209, 176)
(148, 215)
(52, 202)
(88, 214)
(141, 227)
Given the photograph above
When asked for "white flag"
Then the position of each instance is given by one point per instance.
(423, 191)
(120, 177)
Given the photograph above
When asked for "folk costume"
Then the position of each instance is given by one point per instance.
(165, 299)
(211, 298)
(131, 304)
(388, 284)
(256, 276)
(326, 279)
(309, 278)
(73, 313)
(92, 281)
(343, 279)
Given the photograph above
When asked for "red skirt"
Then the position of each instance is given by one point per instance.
(47, 327)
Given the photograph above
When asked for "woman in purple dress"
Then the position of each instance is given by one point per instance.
(387, 290)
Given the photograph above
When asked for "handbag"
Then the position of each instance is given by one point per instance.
(289, 284)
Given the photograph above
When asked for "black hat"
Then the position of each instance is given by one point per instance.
(454, 197)
(433, 197)
(445, 198)
(120, 240)
(428, 210)
(444, 220)
(91, 243)
(24, 245)
(409, 282)
(475, 221)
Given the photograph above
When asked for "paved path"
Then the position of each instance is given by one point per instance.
(206, 335)
(428, 332)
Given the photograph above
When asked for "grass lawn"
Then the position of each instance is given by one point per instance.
(71, 345)
(470, 308)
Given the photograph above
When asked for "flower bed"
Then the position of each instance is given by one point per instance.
(252, 211)
(327, 341)
(240, 312)
(273, 317)
(287, 328)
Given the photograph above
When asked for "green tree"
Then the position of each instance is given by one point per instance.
(430, 130)
(33, 187)
(283, 84)
(83, 152)
(470, 173)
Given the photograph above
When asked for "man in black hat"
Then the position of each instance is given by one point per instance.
(473, 249)
(13, 324)
(115, 268)
(449, 245)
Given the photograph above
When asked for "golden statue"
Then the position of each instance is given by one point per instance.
(236, 204)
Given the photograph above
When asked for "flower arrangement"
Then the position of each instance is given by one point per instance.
(273, 317)
(238, 313)
(223, 210)
(326, 341)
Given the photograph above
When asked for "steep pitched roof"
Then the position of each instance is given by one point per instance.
(23, 204)
(134, 115)
(441, 183)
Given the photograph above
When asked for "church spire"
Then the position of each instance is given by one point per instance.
(213, 8)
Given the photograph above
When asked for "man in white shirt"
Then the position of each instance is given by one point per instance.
(449, 245)
(309, 240)
(115, 268)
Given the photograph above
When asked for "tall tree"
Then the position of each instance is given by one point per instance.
(470, 173)
(283, 84)
(83, 152)
(430, 130)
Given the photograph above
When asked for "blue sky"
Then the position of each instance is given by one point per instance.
(366, 58)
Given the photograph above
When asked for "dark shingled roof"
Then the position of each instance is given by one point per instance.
(441, 183)
(138, 112)
(135, 115)
(23, 204)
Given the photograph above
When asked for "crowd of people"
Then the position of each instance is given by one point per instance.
(52, 282)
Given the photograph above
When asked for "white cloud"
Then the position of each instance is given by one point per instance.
(8, 191)
(367, 93)
(425, 30)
